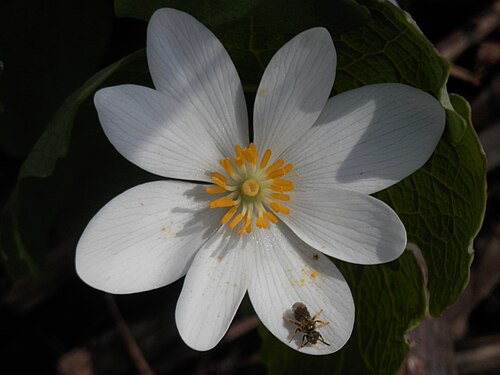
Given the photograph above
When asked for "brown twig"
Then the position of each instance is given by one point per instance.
(483, 25)
(129, 341)
(465, 75)
(484, 356)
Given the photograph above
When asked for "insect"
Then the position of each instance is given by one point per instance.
(306, 324)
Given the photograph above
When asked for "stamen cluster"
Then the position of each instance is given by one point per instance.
(249, 188)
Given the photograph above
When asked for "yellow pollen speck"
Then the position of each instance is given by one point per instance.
(314, 274)
(250, 185)
(250, 188)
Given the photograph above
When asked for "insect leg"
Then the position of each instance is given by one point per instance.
(302, 343)
(297, 330)
(320, 338)
(322, 322)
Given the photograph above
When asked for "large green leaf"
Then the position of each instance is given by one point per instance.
(442, 207)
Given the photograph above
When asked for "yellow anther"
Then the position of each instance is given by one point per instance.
(277, 164)
(281, 197)
(278, 207)
(221, 202)
(239, 160)
(281, 172)
(226, 164)
(220, 176)
(238, 150)
(265, 158)
(283, 183)
(219, 182)
(288, 168)
(247, 227)
(250, 188)
(281, 189)
(236, 220)
(228, 215)
(273, 219)
(253, 150)
(250, 154)
(215, 190)
(261, 222)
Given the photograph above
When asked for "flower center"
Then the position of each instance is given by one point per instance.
(250, 189)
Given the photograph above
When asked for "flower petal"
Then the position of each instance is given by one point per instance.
(156, 133)
(294, 89)
(146, 237)
(368, 139)
(287, 271)
(347, 225)
(213, 289)
(188, 62)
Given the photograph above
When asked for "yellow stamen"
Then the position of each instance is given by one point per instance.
(219, 182)
(215, 190)
(226, 164)
(228, 215)
(281, 189)
(281, 172)
(239, 160)
(265, 158)
(221, 202)
(273, 219)
(238, 150)
(247, 226)
(236, 220)
(283, 183)
(278, 207)
(218, 175)
(251, 154)
(277, 164)
(281, 197)
(261, 222)
(250, 188)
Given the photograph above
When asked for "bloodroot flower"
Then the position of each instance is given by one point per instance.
(265, 215)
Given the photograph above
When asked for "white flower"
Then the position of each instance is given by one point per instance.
(313, 163)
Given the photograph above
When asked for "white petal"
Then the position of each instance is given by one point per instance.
(187, 61)
(287, 271)
(347, 225)
(294, 89)
(368, 139)
(156, 133)
(146, 237)
(214, 287)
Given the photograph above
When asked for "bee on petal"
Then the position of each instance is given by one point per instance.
(306, 324)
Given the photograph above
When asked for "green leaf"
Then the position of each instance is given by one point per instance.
(389, 299)
(442, 206)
